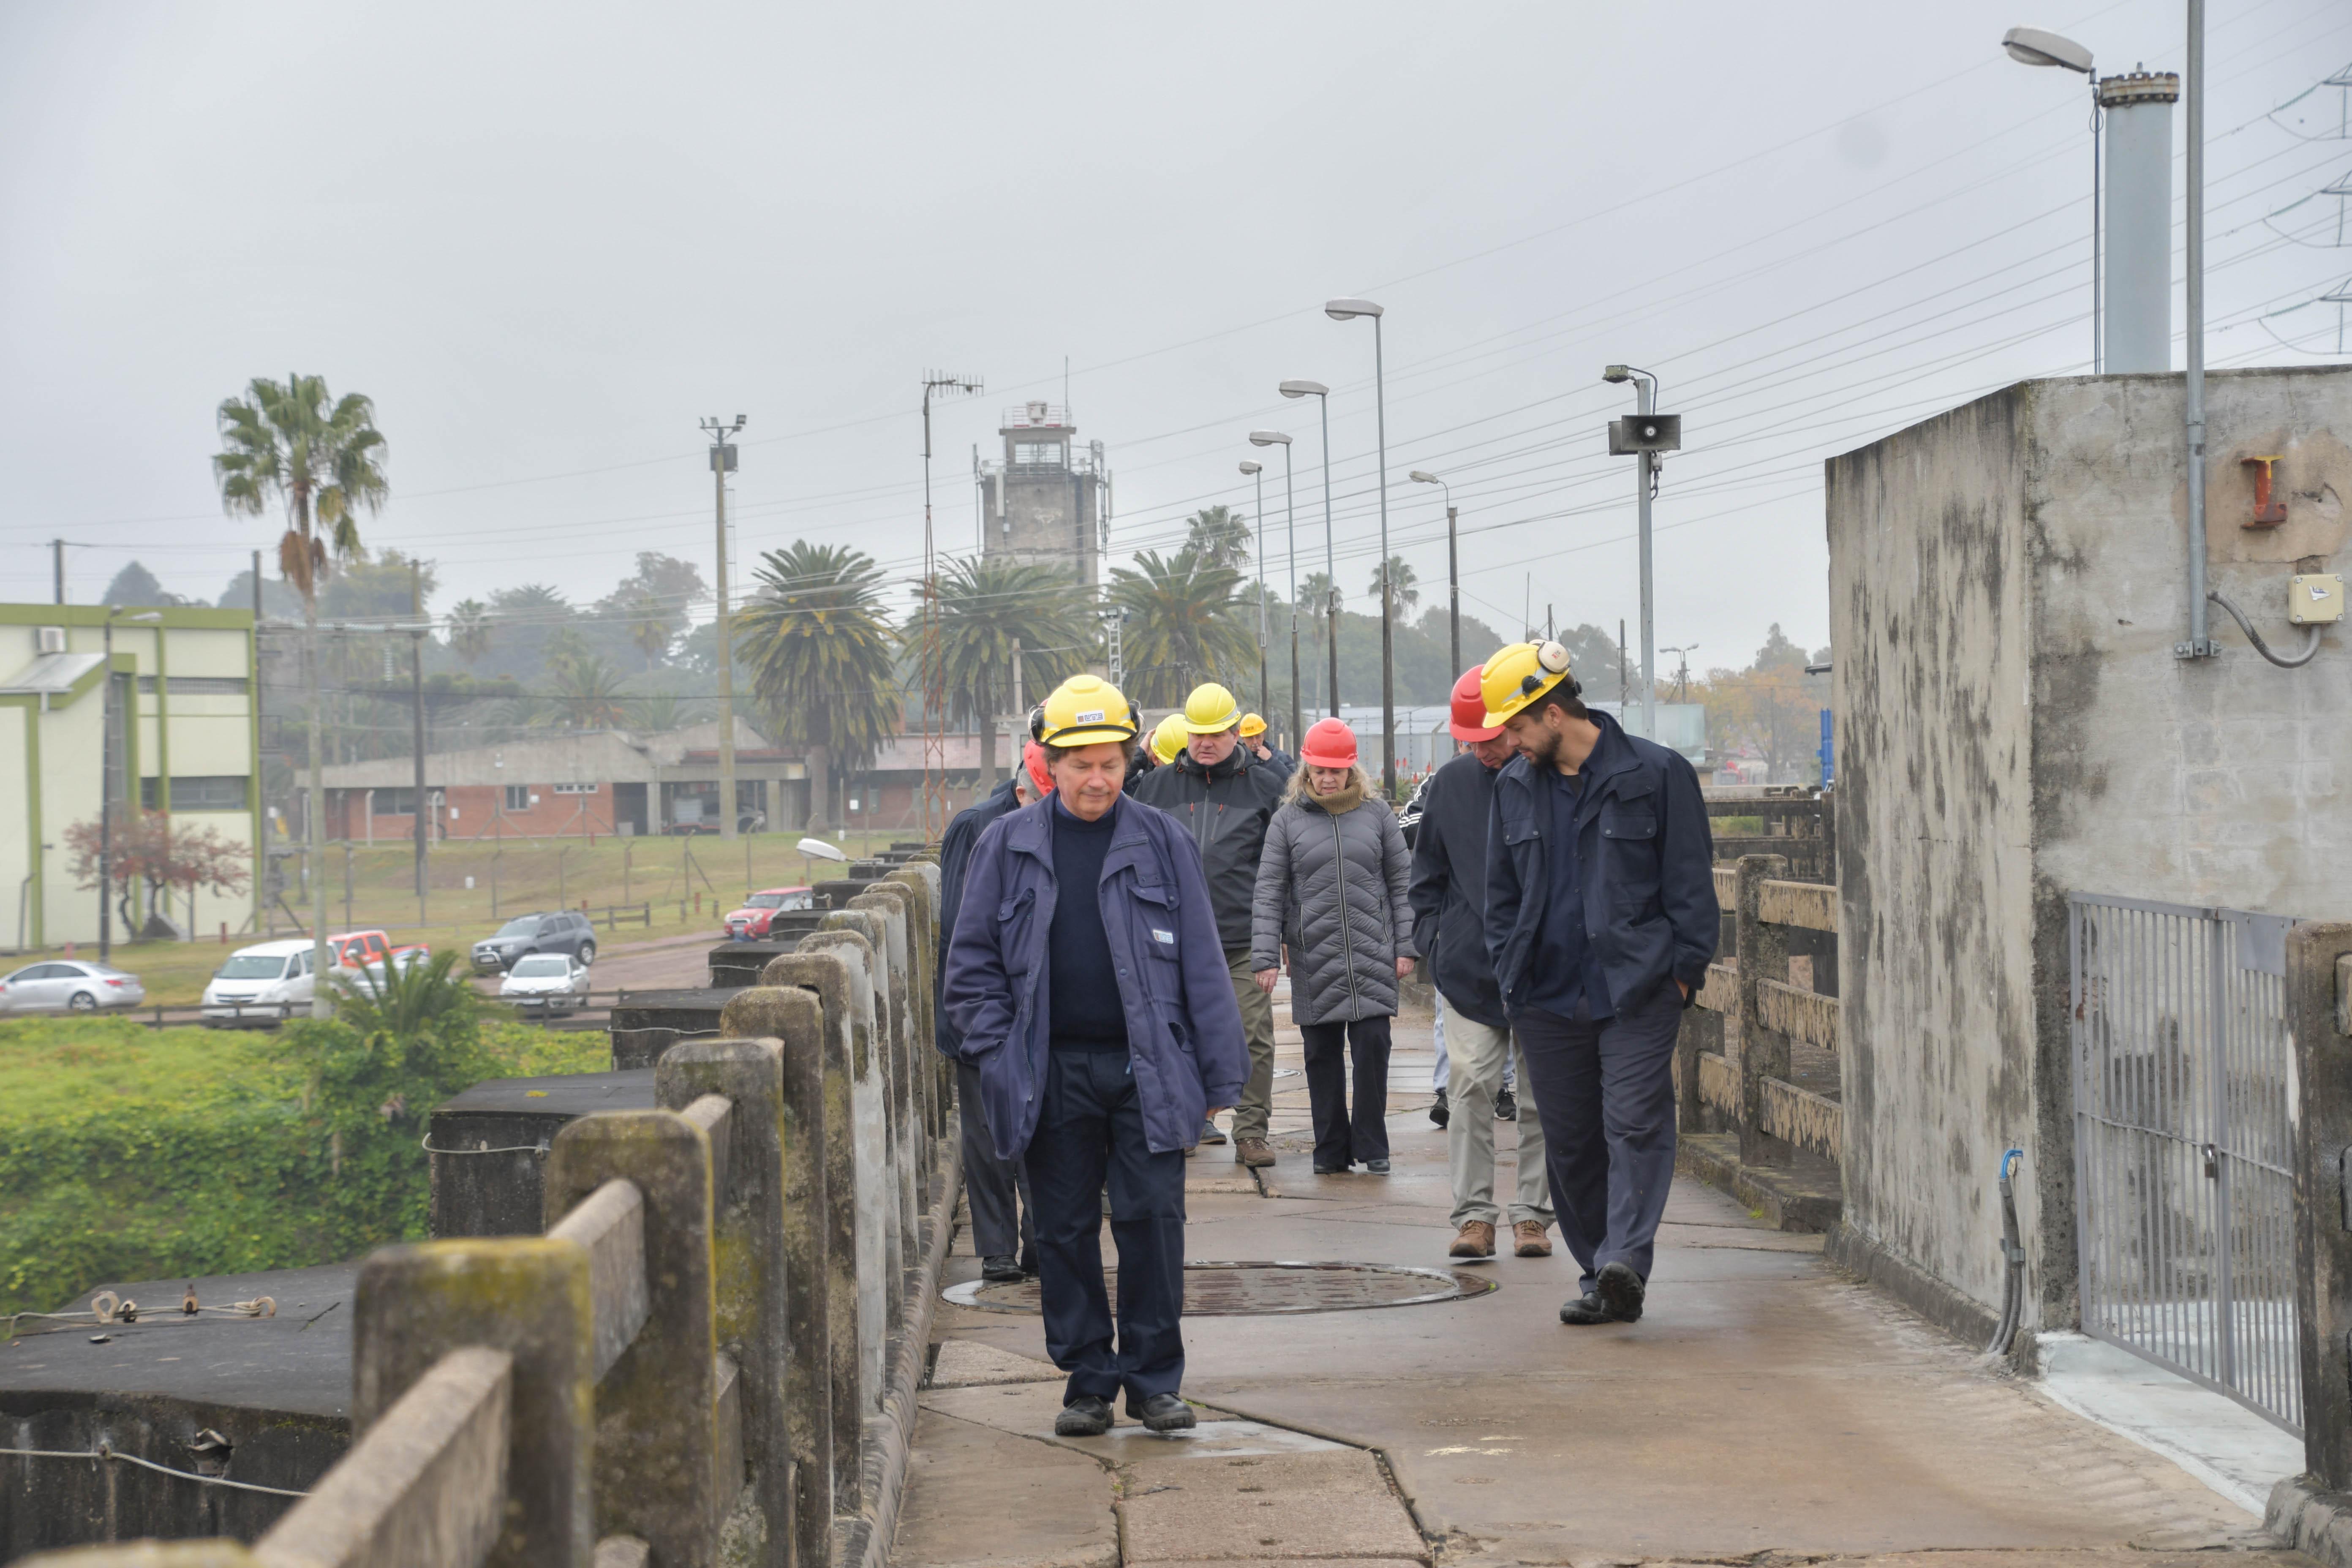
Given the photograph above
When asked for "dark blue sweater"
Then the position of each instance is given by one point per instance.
(1083, 1009)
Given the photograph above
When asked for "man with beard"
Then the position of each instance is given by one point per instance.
(1601, 921)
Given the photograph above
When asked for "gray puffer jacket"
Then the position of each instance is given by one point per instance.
(1338, 883)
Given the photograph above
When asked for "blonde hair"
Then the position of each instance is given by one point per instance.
(1301, 784)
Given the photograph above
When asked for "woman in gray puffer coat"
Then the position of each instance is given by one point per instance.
(1334, 875)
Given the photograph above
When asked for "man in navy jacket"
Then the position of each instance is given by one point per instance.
(1092, 997)
(1601, 921)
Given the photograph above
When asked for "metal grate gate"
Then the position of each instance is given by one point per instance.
(2184, 1142)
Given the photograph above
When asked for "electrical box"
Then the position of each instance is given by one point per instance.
(722, 460)
(51, 639)
(1645, 433)
(2314, 598)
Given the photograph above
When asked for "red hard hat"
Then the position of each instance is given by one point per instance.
(1328, 744)
(1033, 758)
(1468, 722)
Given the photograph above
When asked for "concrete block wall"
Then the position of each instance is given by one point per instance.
(2007, 584)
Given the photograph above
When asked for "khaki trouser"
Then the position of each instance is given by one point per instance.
(1254, 1113)
(1478, 1052)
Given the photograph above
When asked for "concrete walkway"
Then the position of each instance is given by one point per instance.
(1766, 1406)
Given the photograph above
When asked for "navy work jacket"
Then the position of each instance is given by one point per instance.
(955, 859)
(1183, 1027)
(1649, 869)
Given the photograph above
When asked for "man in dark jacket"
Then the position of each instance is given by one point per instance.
(1449, 915)
(1090, 986)
(1002, 1222)
(1226, 797)
(1601, 920)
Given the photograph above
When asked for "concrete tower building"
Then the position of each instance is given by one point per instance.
(1045, 502)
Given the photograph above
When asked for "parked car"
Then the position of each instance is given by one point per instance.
(759, 912)
(548, 983)
(261, 982)
(69, 985)
(559, 932)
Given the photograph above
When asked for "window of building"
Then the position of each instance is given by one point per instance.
(196, 792)
(517, 797)
(196, 685)
(1047, 453)
(575, 789)
(401, 802)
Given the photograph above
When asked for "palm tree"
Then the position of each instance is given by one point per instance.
(1218, 536)
(469, 629)
(650, 628)
(820, 657)
(1183, 625)
(1405, 591)
(589, 690)
(988, 607)
(322, 457)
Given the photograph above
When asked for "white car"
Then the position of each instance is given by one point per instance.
(548, 983)
(69, 985)
(260, 984)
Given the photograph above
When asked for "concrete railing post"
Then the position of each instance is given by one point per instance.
(2318, 993)
(1701, 1032)
(855, 1299)
(660, 1425)
(889, 1039)
(1763, 1052)
(791, 1022)
(753, 1213)
(925, 934)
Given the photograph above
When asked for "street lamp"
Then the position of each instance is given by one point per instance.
(1453, 570)
(1322, 394)
(1644, 436)
(1349, 310)
(1256, 470)
(106, 777)
(1290, 514)
(2033, 47)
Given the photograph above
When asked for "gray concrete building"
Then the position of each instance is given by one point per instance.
(1047, 499)
(2008, 583)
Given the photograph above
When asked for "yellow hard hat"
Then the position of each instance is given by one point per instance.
(1168, 739)
(1519, 674)
(1087, 711)
(1210, 709)
(1252, 726)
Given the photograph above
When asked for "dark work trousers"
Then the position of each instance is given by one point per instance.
(1343, 1136)
(990, 1185)
(1092, 1124)
(1605, 1096)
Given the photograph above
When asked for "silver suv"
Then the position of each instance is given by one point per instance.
(561, 930)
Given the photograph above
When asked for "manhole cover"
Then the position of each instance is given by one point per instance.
(1248, 1290)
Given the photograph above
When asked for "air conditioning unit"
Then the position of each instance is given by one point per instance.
(52, 639)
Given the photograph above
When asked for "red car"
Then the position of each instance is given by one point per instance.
(750, 922)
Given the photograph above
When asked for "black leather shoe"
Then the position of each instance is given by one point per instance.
(1002, 1269)
(1621, 1290)
(1085, 1417)
(1585, 1310)
(1506, 1106)
(1439, 1111)
(1165, 1413)
(1211, 1133)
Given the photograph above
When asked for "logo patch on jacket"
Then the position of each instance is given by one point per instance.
(1165, 937)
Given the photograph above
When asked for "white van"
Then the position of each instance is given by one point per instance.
(260, 984)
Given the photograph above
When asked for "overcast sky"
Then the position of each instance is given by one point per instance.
(547, 239)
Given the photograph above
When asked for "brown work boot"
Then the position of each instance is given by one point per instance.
(1255, 1152)
(1476, 1240)
(1532, 1241)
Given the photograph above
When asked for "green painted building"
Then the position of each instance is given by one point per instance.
(185, 741)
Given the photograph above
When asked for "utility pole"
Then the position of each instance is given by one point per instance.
(1624, 681)
(722, 463)
(1644, 437)
(934, 817)
(57, 566)
(416, 812)
(261, 802)
(1256, 470)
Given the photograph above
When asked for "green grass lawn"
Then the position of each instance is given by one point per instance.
(129, 1152)
(689, 884)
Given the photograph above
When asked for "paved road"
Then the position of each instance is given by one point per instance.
(1765, 1405)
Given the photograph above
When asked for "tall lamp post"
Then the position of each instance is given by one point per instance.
(106, 755)
(2033, 47)
(1256, 471)
(722, 463)
(1644, 436)
(1349, 310)
(1322, 394)
(1290, 514)
(1452, 571)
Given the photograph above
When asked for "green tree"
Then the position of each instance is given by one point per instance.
(1183, 625)
(469, 629)
(134, 584)
(321, 458)
(821, 659)
(588, 691)
(1404, 590)
(988, 607)
(652, 602)
(1220, 536)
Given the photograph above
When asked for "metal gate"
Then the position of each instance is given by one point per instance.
(2184, 1142)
